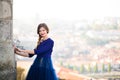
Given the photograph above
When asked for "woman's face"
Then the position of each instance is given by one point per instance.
(43, 32)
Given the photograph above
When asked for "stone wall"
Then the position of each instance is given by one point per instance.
(7, 57)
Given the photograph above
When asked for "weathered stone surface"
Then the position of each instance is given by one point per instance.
(7, 58)
(6, 30)
(5, 9)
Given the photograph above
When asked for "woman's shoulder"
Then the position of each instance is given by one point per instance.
(47, 41)
(50, 40)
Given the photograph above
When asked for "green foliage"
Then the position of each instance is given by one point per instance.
(96, 68)
(61, 63)
(69, 66)
(74, 68)
(82, 69)
(109, 67)
(103, 67)
(89, 68)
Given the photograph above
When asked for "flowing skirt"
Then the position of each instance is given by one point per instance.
(42, 69)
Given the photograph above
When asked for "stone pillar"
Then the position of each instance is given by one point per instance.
(7, 57)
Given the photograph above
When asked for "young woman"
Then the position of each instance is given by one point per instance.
(42, 68)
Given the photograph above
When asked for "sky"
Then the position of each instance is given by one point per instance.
(66, 9)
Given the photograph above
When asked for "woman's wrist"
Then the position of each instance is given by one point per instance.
(24, 51)
(27, 51)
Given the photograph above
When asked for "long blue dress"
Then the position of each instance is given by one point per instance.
(42, 67)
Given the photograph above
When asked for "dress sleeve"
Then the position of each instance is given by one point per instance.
(44, 48)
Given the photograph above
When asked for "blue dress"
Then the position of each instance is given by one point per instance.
(42, 67)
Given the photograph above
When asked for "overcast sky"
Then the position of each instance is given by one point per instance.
(66, 9)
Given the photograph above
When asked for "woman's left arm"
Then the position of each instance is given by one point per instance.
(44, 48)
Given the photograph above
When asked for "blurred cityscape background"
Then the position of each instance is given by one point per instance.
(87, 42)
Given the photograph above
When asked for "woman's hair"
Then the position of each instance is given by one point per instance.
(45, 27)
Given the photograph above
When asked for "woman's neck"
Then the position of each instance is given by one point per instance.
(44, 38)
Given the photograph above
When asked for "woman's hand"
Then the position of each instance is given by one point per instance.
(22, 54)
(20, 50)
(17, 52)
(16, 49)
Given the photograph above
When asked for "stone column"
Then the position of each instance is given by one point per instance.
(7, 57)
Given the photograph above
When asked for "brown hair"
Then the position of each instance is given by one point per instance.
(39, 26)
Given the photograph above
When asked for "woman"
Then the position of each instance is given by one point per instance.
(42, 68)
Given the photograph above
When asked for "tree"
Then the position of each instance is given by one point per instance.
(96, 68)
(109, 67)
(61, 63)
(89, 68)
(82, 69)
(103, 67)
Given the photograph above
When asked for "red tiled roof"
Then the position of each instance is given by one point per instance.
(68, 74)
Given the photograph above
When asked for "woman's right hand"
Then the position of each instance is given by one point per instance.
(16, 49)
